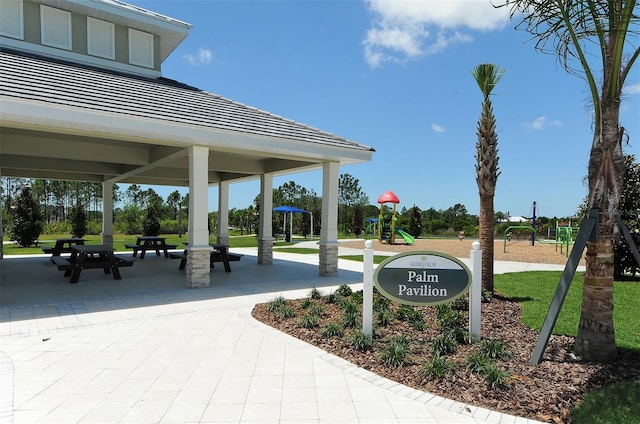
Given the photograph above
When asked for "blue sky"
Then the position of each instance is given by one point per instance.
(396, 75)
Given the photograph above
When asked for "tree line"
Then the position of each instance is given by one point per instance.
(57, 202)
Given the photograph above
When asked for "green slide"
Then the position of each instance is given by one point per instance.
(408, 238)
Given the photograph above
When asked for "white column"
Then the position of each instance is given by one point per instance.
(367, 289)
(107, 213)
(198, 250)
(265, 233)
(475, 293)
(329, 225)
(1, 228)
(223, 212)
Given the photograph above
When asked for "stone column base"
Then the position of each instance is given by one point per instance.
(198, 268)
(265, 251)
(328, 260)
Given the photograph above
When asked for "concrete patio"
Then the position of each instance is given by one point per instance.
(146, 349)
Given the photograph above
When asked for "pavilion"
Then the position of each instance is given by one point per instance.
(83, 99)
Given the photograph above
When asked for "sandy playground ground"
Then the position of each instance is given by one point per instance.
(516, 251)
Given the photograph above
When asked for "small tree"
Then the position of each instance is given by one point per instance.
(27, 219)
(151, 224)
(415, 221)
(357, 224)
(78, 218)
(625, 262)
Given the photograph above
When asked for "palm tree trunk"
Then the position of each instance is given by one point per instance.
(596, 338)
(487, 228)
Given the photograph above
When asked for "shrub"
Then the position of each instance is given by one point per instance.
(349, 307)
(78, 218)
(384, 317)
(276, 304)
(317, 310)
(495, 376)
(331, 298)
(308, 321)
(416, 320)
(448, 318)
(381, 302)
(27, 219)
(358, 297)
(350, 319)
(315, 294)
(460, 304)
(361, 341)
(151, 224)
(397, 352)
(285, 312)
(493, 348)
(477, 361)
(438, 366)
(487, 296)
(332, 330)
(404, 312)
(459, 334)
(344, 290)
(444, 345)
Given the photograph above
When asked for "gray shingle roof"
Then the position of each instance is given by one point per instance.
(27, 76)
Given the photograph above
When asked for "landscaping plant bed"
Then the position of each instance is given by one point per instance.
(506, 383)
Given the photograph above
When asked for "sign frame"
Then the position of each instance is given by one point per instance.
(425, 271)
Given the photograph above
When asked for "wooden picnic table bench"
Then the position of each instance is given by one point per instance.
(63, 245)
(91, 257)
(144, 243)
(220, 253)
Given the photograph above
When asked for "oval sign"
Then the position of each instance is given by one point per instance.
(422, 278)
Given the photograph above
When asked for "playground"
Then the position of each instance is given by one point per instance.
(517, 251)
(385, 226)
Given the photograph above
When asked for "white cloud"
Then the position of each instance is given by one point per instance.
(438, 128)
(631, 89)
(542, 122)
(203, 57)
(408, 29)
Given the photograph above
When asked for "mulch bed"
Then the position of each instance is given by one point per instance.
(545, 392)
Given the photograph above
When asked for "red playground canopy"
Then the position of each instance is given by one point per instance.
(388, 197)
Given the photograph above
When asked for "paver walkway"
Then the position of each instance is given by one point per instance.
(195, 356)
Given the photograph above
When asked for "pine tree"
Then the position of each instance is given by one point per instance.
(27, 219)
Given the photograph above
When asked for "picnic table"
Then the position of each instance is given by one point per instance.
(63, 245)
(91, 256)
(144, 243)
(220, 253)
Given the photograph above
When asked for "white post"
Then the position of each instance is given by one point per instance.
(367, 289)
(475, 294)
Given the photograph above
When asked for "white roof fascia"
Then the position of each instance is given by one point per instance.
(67, 119)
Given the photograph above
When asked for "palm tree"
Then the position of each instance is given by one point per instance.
(487, 76)
(570, 28)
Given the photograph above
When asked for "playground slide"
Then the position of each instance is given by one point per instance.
(406, 236)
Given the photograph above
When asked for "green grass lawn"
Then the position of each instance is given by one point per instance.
(535, 290)
(119, 240)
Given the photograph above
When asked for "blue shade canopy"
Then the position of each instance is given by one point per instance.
(290, 209)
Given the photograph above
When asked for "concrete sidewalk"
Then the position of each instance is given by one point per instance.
(197, 356)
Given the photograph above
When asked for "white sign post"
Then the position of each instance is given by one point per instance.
(367, 289)
(475, 294)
